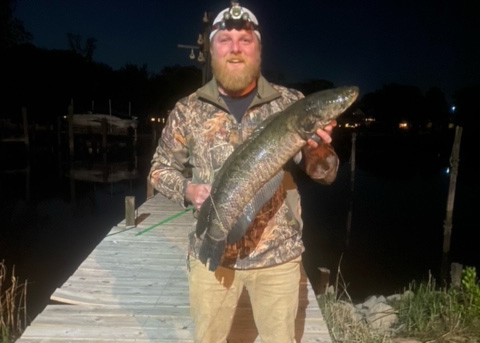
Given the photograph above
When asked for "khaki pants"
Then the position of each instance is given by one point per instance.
(273, 293)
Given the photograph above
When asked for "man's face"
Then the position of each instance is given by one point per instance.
(235, 59)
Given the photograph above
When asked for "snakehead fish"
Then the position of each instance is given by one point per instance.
(253, 172)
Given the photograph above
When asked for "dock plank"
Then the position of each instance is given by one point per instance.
(133, 287)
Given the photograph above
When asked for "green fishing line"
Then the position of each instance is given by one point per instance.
(164, 221)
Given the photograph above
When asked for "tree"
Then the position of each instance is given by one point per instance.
(467, 108)
(12, 31)
(312, 86)
(76, 46)
(436, 107)
(394, 103)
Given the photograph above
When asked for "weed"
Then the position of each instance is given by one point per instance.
(13, 306)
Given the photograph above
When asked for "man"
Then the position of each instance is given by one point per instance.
(202, 131)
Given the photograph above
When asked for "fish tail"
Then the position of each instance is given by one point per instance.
(211, 251)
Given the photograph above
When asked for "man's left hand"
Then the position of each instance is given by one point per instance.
(324, 135)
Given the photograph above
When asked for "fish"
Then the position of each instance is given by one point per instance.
(253, 172)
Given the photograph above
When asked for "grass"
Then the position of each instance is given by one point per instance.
(429, 314)
(13, 306)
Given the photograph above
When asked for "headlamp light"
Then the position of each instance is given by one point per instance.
(235, 18)
(236, 13)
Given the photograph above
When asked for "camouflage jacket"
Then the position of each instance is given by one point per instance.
(200, 134)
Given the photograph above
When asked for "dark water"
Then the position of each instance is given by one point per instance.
(399, 206)
(396, 235)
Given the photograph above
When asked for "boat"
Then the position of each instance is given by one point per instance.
(97, 123)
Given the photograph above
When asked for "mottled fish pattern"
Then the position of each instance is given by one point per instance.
(252, 174)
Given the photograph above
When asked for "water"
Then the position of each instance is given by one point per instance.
(47, 236)
(396, 235)
(399, 205)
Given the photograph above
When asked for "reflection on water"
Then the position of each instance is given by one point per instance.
(55, 214)
(399, 205)
(396, 236)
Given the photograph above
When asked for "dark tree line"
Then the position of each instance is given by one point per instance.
(47, 81)
(12, 30)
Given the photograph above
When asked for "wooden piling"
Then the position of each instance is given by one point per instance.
(70, 132)
(456, 271)
(150, 190)
(447, 226)
(26, 136)
(323, 281)
(129, 211)
(352, 187)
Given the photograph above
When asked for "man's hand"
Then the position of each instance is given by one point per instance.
(323, 135)
(197, 194)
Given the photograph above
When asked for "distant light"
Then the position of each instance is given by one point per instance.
(447, 171)
(403, 125)
(453, 109)
(152, 119)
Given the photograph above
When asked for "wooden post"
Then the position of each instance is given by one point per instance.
(26, 140)
(447, 224)
(323, 281)
(150, 190)
(27, 182)
(73, 195)
(70, 132)
(25, 131)
(352, 186)
(129, 211)
(71, 147)
(59, 145)
(104, 148)
(456, 274)
(154, 134)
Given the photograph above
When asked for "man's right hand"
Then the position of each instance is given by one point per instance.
(197, 194)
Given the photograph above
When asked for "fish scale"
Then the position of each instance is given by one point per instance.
(251, 171)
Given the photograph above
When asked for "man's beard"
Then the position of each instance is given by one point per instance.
(235, 82)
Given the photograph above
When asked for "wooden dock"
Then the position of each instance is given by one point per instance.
(135, 289)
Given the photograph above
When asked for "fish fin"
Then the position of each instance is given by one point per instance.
(203, 217)
(250, 211)
(211, 251)
(207, 215)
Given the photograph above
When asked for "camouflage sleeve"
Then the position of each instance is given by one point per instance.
(169, 172)
(321, 163)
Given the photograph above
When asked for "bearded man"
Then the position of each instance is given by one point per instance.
(201, 132)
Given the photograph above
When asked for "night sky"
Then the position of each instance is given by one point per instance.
(367, 43)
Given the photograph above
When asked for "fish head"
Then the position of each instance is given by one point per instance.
(319, 109)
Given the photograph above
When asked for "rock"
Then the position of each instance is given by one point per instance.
(381, 317)
(377, 313)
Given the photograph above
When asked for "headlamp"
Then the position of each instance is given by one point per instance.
(235, 18)
(236, 13)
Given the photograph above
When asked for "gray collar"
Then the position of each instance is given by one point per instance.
(265, 93)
